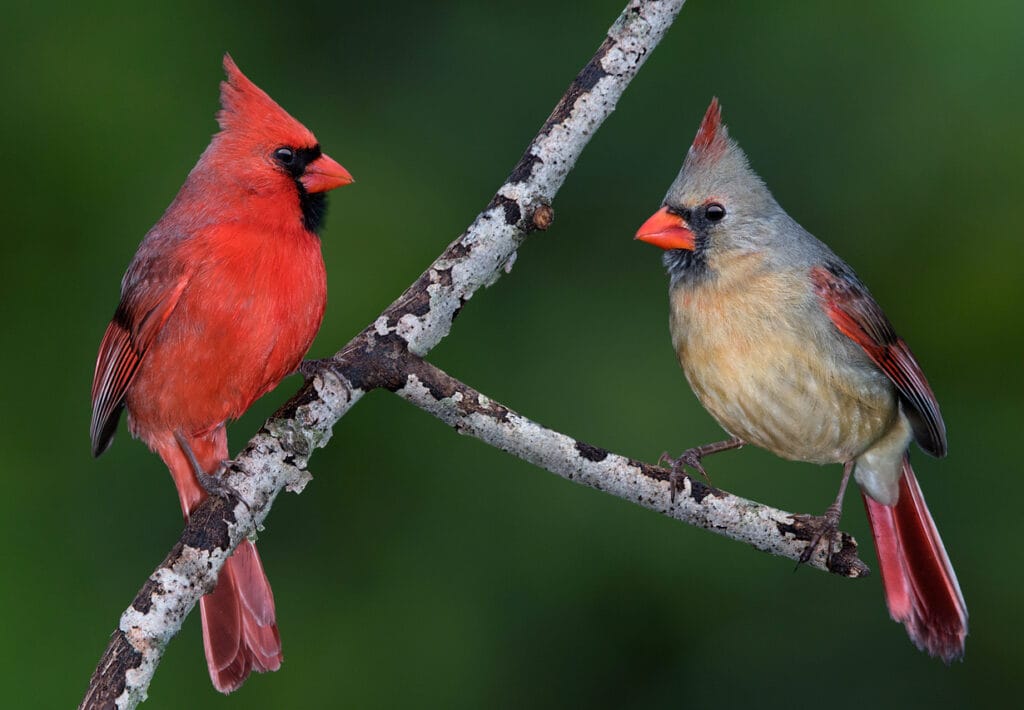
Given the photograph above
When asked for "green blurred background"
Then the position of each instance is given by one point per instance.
(423, 569)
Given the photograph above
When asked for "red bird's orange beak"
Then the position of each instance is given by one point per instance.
(666, 230)
(324, 174)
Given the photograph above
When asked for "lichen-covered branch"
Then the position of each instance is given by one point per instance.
(274, 460)
(472, 413)
(276, 457)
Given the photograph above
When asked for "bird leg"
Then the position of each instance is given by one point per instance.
(826, 526)
(692, 458)
(211, 483)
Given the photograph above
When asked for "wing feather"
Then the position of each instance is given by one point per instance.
(123, 348)
(859, 317)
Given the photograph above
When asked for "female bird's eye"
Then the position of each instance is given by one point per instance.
(714, 212)
(285, 156)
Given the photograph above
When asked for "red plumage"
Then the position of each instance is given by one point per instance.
(222, 300)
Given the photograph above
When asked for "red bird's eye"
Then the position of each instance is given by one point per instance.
(285, 156)
(714, 212)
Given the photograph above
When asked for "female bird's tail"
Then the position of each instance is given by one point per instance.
(921, 588)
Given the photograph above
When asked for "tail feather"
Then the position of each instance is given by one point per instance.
(239, 624)
(222, 635)
(239, 630)
(921, 588)
(253, 588)
(264, 646)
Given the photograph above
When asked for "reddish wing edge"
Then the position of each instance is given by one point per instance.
(116, 364)
(857, 316)
(123, 346)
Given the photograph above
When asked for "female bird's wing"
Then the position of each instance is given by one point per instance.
(858, 316)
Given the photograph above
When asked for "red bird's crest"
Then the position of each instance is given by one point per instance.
(247, 109)
(712, 137)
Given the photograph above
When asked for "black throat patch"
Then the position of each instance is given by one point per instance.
(684, 265)
(314, 208)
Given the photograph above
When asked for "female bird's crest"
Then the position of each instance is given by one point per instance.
(717, 169)
(246, 110)
(712, 137)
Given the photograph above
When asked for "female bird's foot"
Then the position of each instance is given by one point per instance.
(691, 458)
(825, 528)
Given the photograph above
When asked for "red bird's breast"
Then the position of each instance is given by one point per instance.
(252, 304)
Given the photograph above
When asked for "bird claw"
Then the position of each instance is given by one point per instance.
(311, 368)
(691, 458)
(825, 528)
(215, 485)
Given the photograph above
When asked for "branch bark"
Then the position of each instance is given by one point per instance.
(388, 354)
(699, 504)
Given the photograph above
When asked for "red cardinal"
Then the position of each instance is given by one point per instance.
(786, 348)
(221, 301)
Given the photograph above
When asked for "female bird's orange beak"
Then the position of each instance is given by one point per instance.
(324, 174)
(666, 230)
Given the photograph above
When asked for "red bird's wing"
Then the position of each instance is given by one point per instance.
(145, 306)
(856, 314)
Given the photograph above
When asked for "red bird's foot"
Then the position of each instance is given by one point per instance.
(309, 368)
(825, 528)
(215, 485)
(691, 458)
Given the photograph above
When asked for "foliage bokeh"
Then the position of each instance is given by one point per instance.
(423, 569)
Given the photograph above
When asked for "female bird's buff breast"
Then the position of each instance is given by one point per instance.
(764, 382)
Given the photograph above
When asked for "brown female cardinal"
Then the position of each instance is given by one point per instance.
(785, 347)
(221, 301)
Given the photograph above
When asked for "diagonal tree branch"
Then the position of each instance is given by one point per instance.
(387, 354)
(699, 504)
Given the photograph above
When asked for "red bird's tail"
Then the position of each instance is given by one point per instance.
(921, 589)
(239, 623)
(239, 630)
